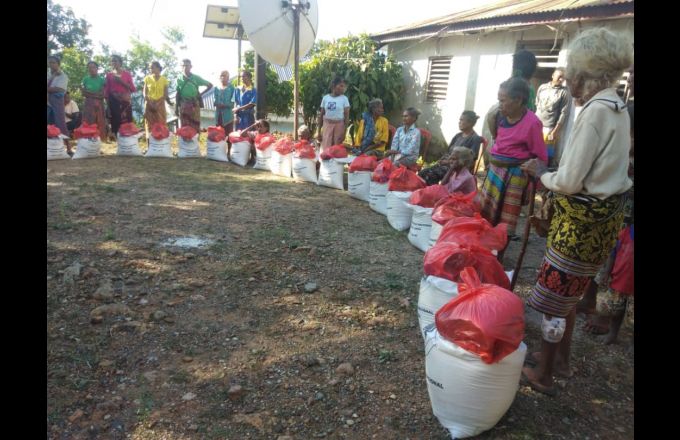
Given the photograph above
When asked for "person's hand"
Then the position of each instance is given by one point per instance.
(534, 167)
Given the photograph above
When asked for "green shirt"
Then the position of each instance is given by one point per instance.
(188, 87)
(94, 84)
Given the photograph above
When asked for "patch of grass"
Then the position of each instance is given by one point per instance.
(386, 356)
(394, 281)
(270, 234)
(109, 235)
(108, 188)
(180, 376)
(146, 405)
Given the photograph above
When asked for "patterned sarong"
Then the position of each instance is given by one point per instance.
(190, 114)
(582, 233)
(93, 113)
(503, 191)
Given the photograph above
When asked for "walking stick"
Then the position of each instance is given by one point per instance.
(527, 231)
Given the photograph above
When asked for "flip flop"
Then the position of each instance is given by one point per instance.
(533, 361)
(549, 391)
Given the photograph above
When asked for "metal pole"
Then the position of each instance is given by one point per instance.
(296, 73)
(238, 68)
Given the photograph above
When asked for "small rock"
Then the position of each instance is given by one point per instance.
(236, 392)
(129, 326)
(349, 422)
(198, 297)
(150, 375)
(404, 302)
(392, 396)
(620, 429)
(158, 315)
(143, 302)
(108, 310)
(189, 396)
(187, 359)
(345, 368)
(105, 363)
(284, 437)
(112, 253)
(310, 361)
(310, 287)
(104, 292)
(319, 395)
(76, 415)
(72, 272)
(193, 428)
(333, 382)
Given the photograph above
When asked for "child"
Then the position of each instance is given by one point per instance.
(334, 116)
(260, 130)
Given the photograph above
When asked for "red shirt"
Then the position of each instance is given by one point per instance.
(113, 86)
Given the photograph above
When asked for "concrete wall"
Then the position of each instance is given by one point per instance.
(480, 63)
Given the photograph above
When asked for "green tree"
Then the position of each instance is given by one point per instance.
(64, 29)
(279, 94)
(74, 64)
(369, 74)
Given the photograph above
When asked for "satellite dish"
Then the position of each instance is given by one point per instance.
(270, 26)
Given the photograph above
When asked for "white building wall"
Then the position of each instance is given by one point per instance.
(480, 63)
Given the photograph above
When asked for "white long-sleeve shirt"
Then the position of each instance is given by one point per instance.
(595, 162)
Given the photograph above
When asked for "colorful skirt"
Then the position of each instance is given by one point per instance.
(154, 112)
(121, 112)
(93, 113)
(190, 114)
(582, 233)
(503, 192)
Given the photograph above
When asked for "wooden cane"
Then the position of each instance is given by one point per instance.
(527, 231)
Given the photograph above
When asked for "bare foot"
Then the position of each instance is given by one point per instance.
(597, 325)
(531, 378)
(586, 307)
(610, 338)
(561, 369)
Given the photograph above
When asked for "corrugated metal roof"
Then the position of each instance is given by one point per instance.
(510, 13)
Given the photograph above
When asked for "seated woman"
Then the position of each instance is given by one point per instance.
(519, 138)
(459, 178)
(406, 142)
(373, 132)
(466, 138)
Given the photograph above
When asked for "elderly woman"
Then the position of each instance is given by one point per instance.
(373, 132)
(406, 142)
(589, 188)
(466, 138)
(519, 138)
(118, 90)
(459, 178)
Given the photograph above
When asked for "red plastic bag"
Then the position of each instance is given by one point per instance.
(447, 260)
(86, 131)
(622, 274)
(128, 129)
(263, 141)
(428, 196)
(336, 151)
(187, 132)
(382, 171)
(403, 179)
(53, 131)
(363, 163)
(455, 205)
(475, 231)
(159, 131)
(284, 146)
(237, 136)
(483, 319)
(216, 134)
(304, 150)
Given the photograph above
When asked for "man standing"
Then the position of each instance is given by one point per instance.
(552, 106)
(189, 99)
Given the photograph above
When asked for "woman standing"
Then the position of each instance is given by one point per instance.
(118, 90)
(373, 132)
(224, 103)
(334, 115)
(589, 188)
(155, 96)
(245, 99)
(466, 138)
(519, 138)
(57, 83)
(93, 91)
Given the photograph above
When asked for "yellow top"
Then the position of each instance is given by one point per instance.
(155, 88)
(382, 133)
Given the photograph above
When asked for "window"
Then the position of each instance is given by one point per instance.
(438, 78)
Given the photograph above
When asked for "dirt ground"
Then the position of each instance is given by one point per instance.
(154, 341)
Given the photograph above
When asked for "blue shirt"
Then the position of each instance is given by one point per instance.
(407, 142)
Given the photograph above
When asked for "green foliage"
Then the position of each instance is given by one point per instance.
(279, 95)
(74, 64)
(64, 29)
(368, 73)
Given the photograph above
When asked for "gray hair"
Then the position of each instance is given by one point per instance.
(374, 103)
(599, 56)
(302, 129)
(464, 156)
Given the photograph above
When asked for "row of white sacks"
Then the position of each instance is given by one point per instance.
(468, 396)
